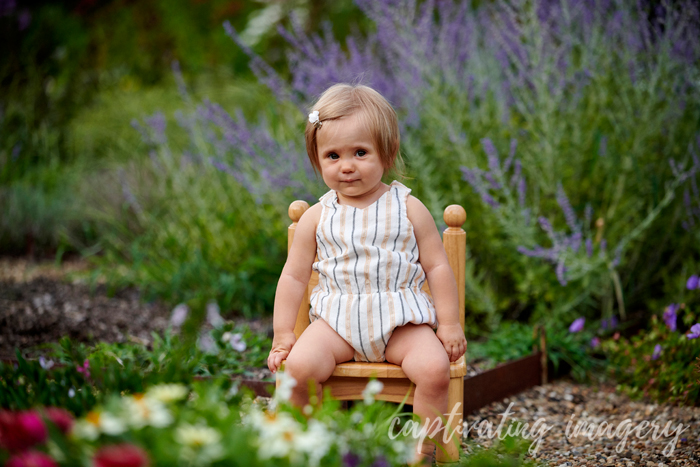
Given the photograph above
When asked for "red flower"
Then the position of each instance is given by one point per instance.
(21, 430)
(62, 418)
(121, 455)
(31, 459)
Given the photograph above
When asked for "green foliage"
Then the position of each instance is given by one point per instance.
(215, 423)
(55, 380)
(566, 351)
(508, 452)
(573, 349)
(671, 376)
(511, 340)
(195, 231)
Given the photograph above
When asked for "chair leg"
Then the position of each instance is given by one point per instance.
(448, 452)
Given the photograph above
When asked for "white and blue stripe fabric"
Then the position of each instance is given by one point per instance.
(369, 273)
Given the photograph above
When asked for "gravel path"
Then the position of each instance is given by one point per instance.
(564, 402)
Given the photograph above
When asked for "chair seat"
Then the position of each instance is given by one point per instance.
(389, 370)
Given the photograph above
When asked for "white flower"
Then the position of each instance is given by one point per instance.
(96, 422)
(313, 117)
(277, 432)
(85, 430)
(237, 342)
(373, 388)
(196, 435)
(284, 390)
(167, 392)
(200, 442)
(213, 314)
(71, 393)
(179, 315)
(142, 411)
(207, 344)
(316, 441)
(45, 364)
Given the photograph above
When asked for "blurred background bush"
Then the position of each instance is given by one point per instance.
(163, 140)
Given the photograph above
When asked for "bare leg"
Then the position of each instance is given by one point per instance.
(314, 357)
(424, 360)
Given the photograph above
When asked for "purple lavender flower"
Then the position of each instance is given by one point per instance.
(595, 342)
(577, 325)
(694, 331)
(693, 282)
(670, 316)
(16, 150)
(350, 459)
(609, 323)
(24, 19)
(380, 461)
(7, 7)
(603, 148)
(565, 206)
(657, 352)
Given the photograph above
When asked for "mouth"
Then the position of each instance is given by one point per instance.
(348, 181)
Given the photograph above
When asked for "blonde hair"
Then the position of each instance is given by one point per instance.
(343, 100)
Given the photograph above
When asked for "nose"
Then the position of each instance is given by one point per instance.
(348, 166)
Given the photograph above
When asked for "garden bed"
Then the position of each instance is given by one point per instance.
(29, 318)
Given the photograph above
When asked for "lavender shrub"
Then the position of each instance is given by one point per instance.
(601, 95)
(206, 211)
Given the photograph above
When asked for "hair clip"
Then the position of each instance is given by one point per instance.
(313, 118)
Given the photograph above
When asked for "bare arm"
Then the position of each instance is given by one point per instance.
(292, 286)
(441, 280)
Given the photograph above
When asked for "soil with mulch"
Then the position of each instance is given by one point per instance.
(41, 303)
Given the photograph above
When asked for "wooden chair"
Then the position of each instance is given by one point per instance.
(350, 378)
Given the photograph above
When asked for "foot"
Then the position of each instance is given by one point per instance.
(425, 457)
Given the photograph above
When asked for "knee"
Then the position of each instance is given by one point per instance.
(302, 370)
(434, 375)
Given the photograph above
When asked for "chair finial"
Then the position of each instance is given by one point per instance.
(297, 209)
(455, 215)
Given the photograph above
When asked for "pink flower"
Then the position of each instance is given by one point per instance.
(85, 369)
(120, 455)
(61, 418)
(21, 430)
(31, 459)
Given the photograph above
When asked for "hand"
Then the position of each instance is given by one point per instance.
(452, 338)
(281, 346)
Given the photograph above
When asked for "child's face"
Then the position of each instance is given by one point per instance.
(350, 163)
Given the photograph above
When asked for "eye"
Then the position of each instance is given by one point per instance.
(361, 153)
(333, 156)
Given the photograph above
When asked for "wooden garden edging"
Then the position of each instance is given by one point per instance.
(508, 378)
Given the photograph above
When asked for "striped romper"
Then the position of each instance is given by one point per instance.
(369, 276)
